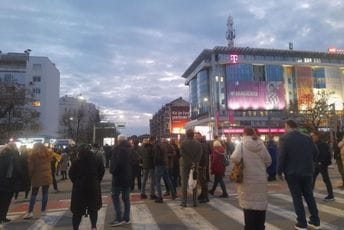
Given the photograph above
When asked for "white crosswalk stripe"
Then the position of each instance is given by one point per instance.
(339, 191)
(86, 223)
(47, 222)
(324, 208)
(190, 217)
(142, 219)
(233, 212)
(292, 216)
(321, 196)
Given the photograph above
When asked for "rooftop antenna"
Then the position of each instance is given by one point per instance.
(230, 34)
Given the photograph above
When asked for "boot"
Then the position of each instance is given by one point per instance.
(224, 195)
(211, 192)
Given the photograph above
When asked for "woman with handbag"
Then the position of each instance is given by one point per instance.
(253, 191)
(218, 167)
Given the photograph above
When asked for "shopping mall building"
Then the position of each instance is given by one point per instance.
(230, 88)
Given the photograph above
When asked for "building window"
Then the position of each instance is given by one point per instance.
(37, 67)
(36, 90)
(8, 78)
(36, 103)
(36, 78)
(258, 72)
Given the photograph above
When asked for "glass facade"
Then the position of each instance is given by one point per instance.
(319, 78)
(239, 72)
(193, 98)
(199, 95)
(300, 83)
(203, 92)
(261, 83)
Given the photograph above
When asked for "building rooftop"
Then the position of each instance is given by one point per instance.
(206, 54)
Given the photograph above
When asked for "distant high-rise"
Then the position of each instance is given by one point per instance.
(230, 34)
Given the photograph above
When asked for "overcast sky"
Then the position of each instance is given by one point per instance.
(128, 56)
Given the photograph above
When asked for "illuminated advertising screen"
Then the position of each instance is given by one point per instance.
(179, 117)
(304, 86)
(256, 95)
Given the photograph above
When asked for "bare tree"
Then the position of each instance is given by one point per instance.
(314, 112)
(79, 123)
(16, 114)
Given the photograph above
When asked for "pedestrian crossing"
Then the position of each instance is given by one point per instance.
(218, 213)
(321, 207)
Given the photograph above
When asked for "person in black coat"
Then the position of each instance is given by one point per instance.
(23, 181)
(86, 173)
(272, 149)
(121, 170)
(297, 154)
(8, 173)
(322, 163)
(202, 168)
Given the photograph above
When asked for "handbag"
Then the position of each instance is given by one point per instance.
(225, 160)
(192, 181)
(237, 173)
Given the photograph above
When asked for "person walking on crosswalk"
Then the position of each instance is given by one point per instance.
(86, 173)
(253, 191)
(40, 172)
(322, 163)
(161, 170)
(296, 160)
(190, 154)
(121, 170)
(146, 152)
(218, 168)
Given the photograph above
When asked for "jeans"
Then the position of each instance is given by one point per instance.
(202, 177)
(254, 219)
(172, 177)
(323, 170)
(136, 175)
(54, 179)
(148, 173)
(34, 193)
(161, 172)
(219, 179)
(302, 186)
(115, 192)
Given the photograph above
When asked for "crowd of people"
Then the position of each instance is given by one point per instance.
(164, 165)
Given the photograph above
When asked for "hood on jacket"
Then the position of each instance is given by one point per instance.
(219, 149)
(252, 145)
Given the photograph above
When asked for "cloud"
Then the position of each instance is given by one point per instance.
(127, 56)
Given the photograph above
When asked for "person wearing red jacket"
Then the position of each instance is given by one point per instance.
(218, 168)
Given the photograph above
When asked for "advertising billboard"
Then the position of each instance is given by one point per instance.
(179, 117)
(304, 86)
(256, 95)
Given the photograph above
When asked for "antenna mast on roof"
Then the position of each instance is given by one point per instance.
(230, 34)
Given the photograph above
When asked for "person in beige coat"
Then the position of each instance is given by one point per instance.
(340, 161)
(253, 191)
(40, 173)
